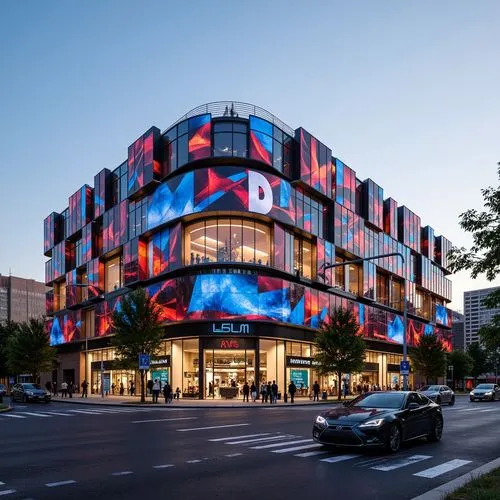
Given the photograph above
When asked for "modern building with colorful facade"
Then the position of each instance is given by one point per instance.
(228, 220)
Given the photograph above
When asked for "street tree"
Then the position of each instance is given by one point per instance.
(429, 357)
(462, 365)
(339, 347)
(138, 330)
(28, 350)
(480, 361)
(6, 330)
(490, 335)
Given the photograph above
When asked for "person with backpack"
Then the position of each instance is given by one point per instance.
(316, 391)
(292, 389)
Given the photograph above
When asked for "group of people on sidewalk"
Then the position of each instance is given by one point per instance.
(269, 392)
(168, 393)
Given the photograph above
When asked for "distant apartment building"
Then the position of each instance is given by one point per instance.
(476, 313)
(458, 330)
(21, 299)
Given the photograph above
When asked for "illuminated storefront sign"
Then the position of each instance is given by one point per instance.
(230, 328)
(299, 361)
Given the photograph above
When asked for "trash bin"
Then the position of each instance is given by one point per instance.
(324, 396)
(279, 396)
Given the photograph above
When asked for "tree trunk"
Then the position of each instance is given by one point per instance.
(341, 388)
(143, 395)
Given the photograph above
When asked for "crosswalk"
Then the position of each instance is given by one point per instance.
(22, 413)
(306, 448)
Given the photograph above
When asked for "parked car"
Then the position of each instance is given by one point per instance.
(29, 392)
(485, 392)
(3, 390)
(438, 393)
(380, 419)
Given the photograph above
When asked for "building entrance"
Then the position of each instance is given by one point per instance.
(227, 371)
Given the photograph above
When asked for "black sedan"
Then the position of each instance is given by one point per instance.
(29, 392)
(380, 419)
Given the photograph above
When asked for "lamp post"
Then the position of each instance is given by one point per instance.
(452, 381)
(405, 300)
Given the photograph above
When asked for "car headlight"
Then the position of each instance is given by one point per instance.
(29, 393)
(471, 393)
(321, 421)
(488, 393)
(377, 422)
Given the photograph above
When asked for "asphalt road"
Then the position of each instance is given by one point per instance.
(65, 451)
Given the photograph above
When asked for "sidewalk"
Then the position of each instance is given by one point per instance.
(134, 401)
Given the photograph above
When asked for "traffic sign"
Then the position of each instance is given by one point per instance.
(144, 361)
(404, 368)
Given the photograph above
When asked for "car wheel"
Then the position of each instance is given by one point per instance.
(25, 399)
(452, 401)
(436, 431)
(493, 397)
(438, 400)
(393, 440)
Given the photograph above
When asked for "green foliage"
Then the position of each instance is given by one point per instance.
(28, 349)
(429, 357)
(462, 364)
(138, 330)
(480, 361)
(339, 347)
(484, 255)
(490, 335)
(6, 330)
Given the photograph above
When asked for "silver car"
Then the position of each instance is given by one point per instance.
(485, 392)
(438, 393)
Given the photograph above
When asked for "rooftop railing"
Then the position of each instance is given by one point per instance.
(237, 110)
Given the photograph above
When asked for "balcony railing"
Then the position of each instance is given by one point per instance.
(236, 109)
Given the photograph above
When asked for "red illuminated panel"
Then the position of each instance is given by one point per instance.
(200, 133)
(305, 156)
(315, 174)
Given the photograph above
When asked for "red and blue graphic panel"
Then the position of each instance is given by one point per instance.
(200, 137)
(261, 140)
(103, 182)
(49, 302)
(81, 209)
(53, 231)
(115, 227)
(391, 218)
(304, 139)
(443, 315)
(104, 315)
(95, 278)
(134, 261)
(165, 295)
(87, 243)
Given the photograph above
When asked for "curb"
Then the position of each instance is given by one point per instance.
(445, 489)
(192, 406)
(3, 410)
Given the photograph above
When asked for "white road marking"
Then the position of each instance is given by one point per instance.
(193, 461)
(339, 458)
(443, 468)
(164, 466)
(2, 484)
(35, 414)
(402, 462)
(59, 483)
(10, 415)
(484, 411)
(239, 437)
(85, 412)
(272, 438)
(162, 420)
(211, 427)
(6, 492)
(311, 453)
(61, 414)
(276, 445)
(231, 455)
(297, 448)
(123, 473)
(469, 409)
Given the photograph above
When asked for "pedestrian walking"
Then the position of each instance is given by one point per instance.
(263, 392)
(167, 392)
(316, 391)
(122, 389)
(253, 391)
(156, 391)
(274, 392)
(269, 392)
(64, 389)
(177, 393)
(48, 386)
(150, 386)
(54, 387)
(292, 389)
(132, 389)
(71, 389)
(246, 391)
(113, 388)
(85, 386)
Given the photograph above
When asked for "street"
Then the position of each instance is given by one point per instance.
(75, 451)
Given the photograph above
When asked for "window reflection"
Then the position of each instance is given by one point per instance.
(354, 279)
(227, 240)
(112, 273)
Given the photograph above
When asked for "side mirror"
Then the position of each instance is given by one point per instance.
(413, 406)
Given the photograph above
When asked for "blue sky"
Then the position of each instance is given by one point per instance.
(404, 92)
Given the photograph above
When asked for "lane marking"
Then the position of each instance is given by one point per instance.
(10, 415)
(403, 462)
(59, 483)
(310, 454)
(276, 445)
(211, 427)
(61, 414)
(468, 409)
(162, 420)
(273, 438)
(164, 466)
(231, 455)
(339, 458)
(84, 412)
(193, 461)
(123, 473)
(35, 414)
(484, 411)
(6, 492)
(442, 469)
(2, 484)
(297, 448)
(239, 437)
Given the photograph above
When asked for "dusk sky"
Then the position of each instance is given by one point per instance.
(405, 93)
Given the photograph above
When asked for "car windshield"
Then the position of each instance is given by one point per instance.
(31, 386)
(380, 400)
(431, 388)
(485, 386)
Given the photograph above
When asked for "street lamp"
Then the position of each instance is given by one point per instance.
(452, 381)
(405, 300)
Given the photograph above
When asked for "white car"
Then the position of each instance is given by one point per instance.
(485, 392)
